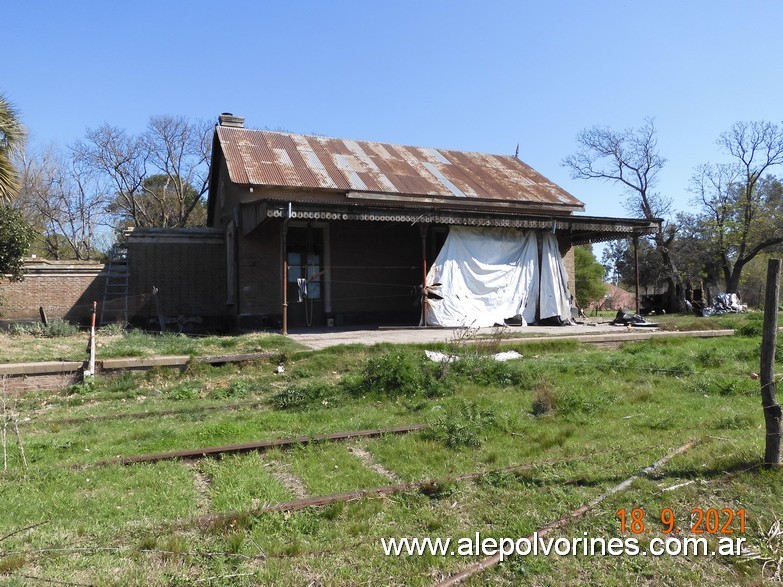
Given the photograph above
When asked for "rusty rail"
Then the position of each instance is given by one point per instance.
(198, 453)
(429, 486)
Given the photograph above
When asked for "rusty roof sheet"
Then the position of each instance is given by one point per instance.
(276, 159)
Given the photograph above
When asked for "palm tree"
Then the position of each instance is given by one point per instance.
(12, 135)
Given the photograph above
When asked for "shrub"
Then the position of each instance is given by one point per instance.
(303, 395)
(398, 373)
(544, 401)
(463, 424)
(236, 389)
(55, 328)
(710, 357)
(86, 386)
(752, 329)
(114, 329)
(735, 422)
(484, 370)
(183, 391)
(754, 326)
(583, 400)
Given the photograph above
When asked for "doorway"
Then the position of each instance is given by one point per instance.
(306, 254)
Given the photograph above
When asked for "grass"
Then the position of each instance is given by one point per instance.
(59, 343)
(21, 348)
(588, 417)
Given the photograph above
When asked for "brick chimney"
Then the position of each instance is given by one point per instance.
(228, 119)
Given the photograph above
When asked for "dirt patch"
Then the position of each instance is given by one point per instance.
(369, 461)
(282, 473)
(203, 483)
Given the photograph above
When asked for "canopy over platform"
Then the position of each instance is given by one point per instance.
(582, 229)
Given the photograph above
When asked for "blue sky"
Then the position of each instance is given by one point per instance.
(477, 76)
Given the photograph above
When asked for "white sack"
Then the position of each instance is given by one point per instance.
(555, 297)
(487, 275)
(437, 357)
(506, 356)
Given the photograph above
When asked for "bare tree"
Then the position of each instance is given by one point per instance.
(121, 159)
(742, 208)
(179, 150)
(62, 199)
(630, 158)
(158, 179)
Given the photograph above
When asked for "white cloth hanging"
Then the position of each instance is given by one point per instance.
(487, 275)
(555, 297)
(302, 283)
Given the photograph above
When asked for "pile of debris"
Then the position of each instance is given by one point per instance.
(725, 303)
(624, 318)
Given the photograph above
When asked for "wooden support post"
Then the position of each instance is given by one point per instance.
(772, 411)
(285, 279)
(423, 234)
(158, 310)
(636, 270)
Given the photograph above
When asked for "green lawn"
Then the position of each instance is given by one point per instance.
(594, 416)
(21, 348)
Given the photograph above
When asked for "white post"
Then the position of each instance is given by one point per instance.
(90, 372)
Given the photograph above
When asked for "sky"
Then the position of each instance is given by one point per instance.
(474, 76)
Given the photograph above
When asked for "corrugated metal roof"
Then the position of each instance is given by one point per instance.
(275, 159)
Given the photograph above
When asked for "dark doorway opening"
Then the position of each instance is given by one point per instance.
(305, 253)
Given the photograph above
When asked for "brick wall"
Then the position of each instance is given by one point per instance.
(188, 268)
(65, 289)
(376, 268)
(18, 385)
(260, 267)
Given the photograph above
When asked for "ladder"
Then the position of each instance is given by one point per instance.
(115, 292)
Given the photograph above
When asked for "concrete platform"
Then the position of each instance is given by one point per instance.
(326, 337)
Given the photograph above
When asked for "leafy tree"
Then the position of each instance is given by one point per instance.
(697, 258)
(754, 279)
(630, 159)
(589, 275)
(15, 232)
(620, 264)
(12, 136)
(16, 235)
(162, 203)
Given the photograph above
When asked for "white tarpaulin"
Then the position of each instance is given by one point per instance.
(555, 299)
(490, 274)
(487, 275)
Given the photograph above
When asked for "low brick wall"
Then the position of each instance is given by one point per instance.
(18, 378)
(65, 289)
